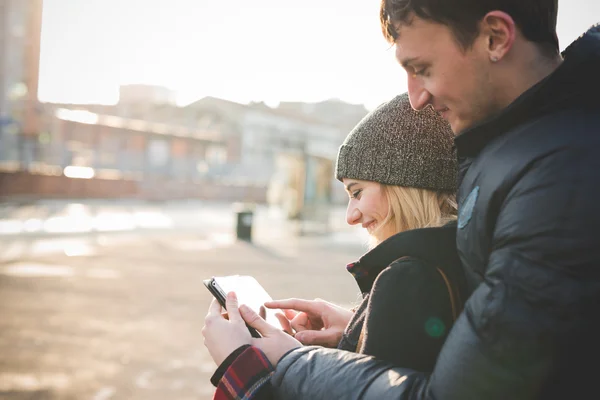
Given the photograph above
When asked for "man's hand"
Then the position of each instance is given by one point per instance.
(316, 322)
(222, 336)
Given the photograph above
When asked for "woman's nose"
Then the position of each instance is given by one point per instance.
(353, 215)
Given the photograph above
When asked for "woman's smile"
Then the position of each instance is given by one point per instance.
(369, 226)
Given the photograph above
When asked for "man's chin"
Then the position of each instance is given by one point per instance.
(458, 126)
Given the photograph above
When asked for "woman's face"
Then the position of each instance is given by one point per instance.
(368, 206)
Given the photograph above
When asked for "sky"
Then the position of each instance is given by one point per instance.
(240, 50)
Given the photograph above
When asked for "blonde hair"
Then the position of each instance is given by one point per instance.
(412, 208)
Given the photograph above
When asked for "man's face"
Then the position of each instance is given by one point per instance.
(454, 81)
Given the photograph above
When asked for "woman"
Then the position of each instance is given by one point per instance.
(399, 169)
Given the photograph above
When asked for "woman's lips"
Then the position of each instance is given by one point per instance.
(369, 225)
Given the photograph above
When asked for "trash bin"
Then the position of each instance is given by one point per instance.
(245, 217)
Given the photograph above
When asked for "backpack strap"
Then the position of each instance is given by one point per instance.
(455, 303)
(453, 293)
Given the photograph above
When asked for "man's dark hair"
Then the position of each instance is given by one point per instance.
(536, 19)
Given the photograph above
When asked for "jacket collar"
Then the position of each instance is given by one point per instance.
(433, 245)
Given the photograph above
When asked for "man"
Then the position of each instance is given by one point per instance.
(527, 122)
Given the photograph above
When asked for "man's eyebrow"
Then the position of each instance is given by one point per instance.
(350, 185)
(407, 61)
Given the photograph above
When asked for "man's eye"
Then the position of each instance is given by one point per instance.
(421, 72)
(356, 194)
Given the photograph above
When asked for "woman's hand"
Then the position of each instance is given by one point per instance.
(224, 333)
(222, 336)
(315, 322)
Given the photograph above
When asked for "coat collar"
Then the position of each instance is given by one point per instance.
(433, 245)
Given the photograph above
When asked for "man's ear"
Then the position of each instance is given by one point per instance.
(500, 31)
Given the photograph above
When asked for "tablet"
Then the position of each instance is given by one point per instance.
(249, 292)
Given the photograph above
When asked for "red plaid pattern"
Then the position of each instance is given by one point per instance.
(245, 376)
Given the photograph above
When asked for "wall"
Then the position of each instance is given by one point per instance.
(30, 186)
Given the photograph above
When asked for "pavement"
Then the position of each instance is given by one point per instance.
(117, 313)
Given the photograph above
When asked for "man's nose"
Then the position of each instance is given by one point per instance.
(419, 97)
(353, 214)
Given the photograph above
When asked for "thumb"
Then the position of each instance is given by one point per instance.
(231, 303)
(255, 320)
(320, 338)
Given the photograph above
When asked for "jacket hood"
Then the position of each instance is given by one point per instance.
(574, 84)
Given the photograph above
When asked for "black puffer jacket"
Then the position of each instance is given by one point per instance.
(528, 237)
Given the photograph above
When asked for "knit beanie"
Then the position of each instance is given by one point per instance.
(397, 145)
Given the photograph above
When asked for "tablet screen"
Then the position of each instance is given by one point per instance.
(250, 293)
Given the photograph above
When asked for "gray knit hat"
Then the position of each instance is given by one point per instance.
(397, 145)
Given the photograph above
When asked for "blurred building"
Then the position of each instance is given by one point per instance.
(127, 146)
(20, 36)
(333, 111)
(212, 148)
(290, 152)
(152, 94)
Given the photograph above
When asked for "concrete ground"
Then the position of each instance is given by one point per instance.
(119, 315)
